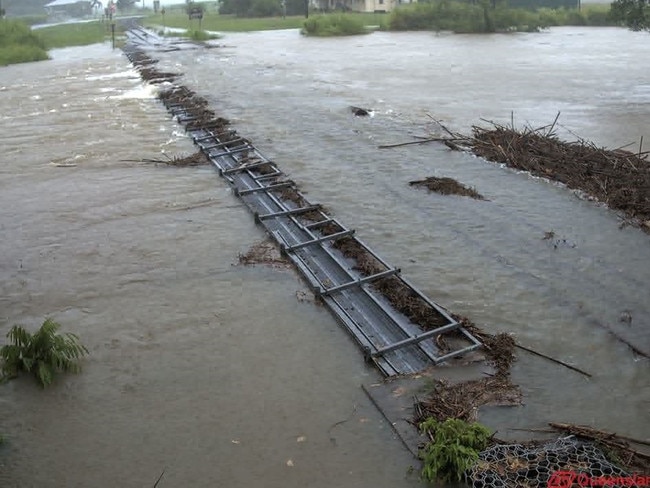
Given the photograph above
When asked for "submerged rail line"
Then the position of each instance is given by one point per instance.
(397, 326)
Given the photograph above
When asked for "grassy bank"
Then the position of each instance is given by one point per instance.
(334, 25)
(475, 18)
(231, 23)
(80, 34)
(18, 44)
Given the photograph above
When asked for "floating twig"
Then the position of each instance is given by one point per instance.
(159, 478)
(566, 365)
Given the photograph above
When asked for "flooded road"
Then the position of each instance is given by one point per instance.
(216, 373)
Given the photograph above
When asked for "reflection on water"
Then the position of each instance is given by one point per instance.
(215, 373)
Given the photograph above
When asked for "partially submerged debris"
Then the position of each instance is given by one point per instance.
(616, 177)
(196, 159)
(619, 178)
(461, 401)
(264, 252)
(447, 186)
(360, 112)
(617, 445)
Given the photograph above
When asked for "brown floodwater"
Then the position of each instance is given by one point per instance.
(217, 373)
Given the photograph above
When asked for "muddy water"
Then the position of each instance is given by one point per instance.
(216, 373)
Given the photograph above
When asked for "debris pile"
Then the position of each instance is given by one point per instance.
(199, 116)
(616, 177)
(619, 178)
(616, 446)
(265, 252)
(447, 186)
(462, 400)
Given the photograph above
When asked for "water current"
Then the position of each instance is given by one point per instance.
(217, 373)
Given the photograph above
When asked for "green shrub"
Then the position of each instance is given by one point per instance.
(438, 15)
(265, 8)
(43, 353)
(18, 44)
(464, 17)
(598, 15)
(333, 25)
(21, 54)
(454, 449)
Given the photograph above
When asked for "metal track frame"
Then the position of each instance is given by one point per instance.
(387, 337)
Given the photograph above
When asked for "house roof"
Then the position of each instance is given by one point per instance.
(58, 3)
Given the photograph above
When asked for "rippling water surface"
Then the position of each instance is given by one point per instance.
(216, 373)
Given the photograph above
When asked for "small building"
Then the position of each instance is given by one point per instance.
(70, 8)
(358, 5)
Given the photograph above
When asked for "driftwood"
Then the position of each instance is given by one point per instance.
(419, 141)
(196, 159)
(619, 445)
(598, 435)
(159, 478)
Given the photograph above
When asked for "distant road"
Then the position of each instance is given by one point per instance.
(83, 21)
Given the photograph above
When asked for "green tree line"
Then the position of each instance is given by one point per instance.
(633, 13)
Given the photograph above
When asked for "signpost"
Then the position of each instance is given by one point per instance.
(196, 13)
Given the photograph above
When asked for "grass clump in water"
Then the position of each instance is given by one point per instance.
(201, 35)
(333, 25)
(18, 44)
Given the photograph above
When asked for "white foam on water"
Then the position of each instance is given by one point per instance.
(142, 92)
(130, 73)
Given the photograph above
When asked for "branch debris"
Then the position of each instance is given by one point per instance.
(616, 177)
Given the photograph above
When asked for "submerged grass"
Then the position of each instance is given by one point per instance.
(201, 35)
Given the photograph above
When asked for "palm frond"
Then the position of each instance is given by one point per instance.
(43, 353)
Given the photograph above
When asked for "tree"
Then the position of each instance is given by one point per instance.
(194, 7)
(266, 8)
(123, 5)
(633, 13)
(259, 8)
